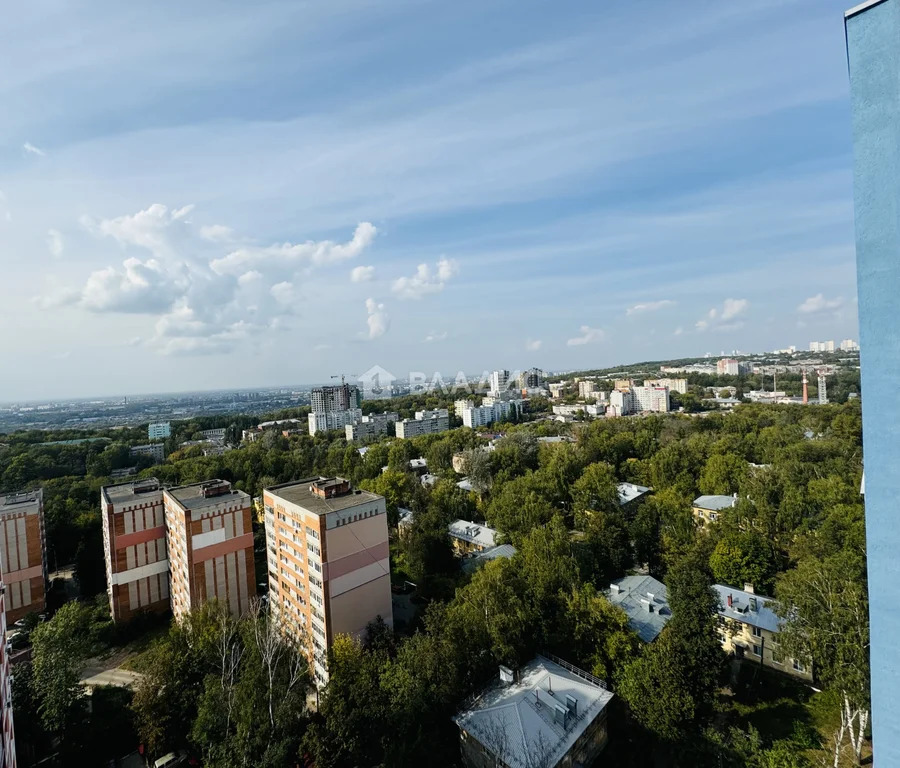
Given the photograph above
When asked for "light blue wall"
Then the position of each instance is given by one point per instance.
(873, 49)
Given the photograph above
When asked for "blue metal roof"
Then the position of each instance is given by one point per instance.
(715, 503)
(742, 609)
(645, 600)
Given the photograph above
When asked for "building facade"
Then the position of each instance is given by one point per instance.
(872, 33)
(728, 367)
(706, 509)
(674, 385)
(425, 423)
(156, 451)
(159, 431)
(484, 414)
(210, 538)
(23, 553)
(749, 629)
(328, 562)
(327, 420)
(8, 739)
(341, 397)
(655, 399)
(586, 389)
(135, 548)
(499, 381)
(621, 401)
(533, 378)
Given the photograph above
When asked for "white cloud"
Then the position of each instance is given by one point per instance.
(138, 287)
(30, 149)
(678, 331)
(157, 228)
(724, 318)
(435, 336)
(362, 274)
(378, 320)
(321, 347)
(217, 233)
(650, 306)
(818, 303)
(426, 280)
(54, 243)
(288, 257)
(588, 336)
(283, 293)
(533, 345)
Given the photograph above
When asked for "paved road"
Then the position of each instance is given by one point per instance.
(107, 671)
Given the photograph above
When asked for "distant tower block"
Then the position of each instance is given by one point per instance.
(823, 393)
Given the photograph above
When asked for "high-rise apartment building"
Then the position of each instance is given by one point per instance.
(674, 385)
(373, 425)
(322, 422)
(7, 737)
(134, 544)
(23, 553)
(328, 561)
(340, 397)
(533, 378)
(654, 399)
(159, 431)
(156, 451)
(210, 537)
(621, 401)
(425, 423)
(873, 50)
(848, 345)
(586, 388)
(489, 412)
(728, 367)
(499, 381)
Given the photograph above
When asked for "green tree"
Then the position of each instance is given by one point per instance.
(744, 557)
(596, 490)
(722, 474)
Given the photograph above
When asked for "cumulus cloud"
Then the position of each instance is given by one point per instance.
(588, 336)
(362, 274)
(170, 274)
(378, 320)
(289, 257)
(54, 243)
(426, 280)
(533, 345)
(435, 336)
(217, 233)
(818, 303)
(30, 149)
(724, 318)
(650, 306)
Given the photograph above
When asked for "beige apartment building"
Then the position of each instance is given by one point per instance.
(328, 562)
(210, 537)
(134, 544)
(23, 553)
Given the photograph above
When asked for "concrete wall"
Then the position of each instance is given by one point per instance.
(873, 48)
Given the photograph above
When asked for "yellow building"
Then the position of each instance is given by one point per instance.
(749, 628)
(471, 537)
(706, 509)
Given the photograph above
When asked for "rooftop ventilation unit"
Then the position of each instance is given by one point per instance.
(561, 715)
(215, 488)
(572, 705)
(507, 675)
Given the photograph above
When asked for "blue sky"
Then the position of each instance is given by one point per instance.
(216, 194)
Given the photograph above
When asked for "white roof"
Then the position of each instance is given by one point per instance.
(473, 532)
(521, 715)
(628, 492)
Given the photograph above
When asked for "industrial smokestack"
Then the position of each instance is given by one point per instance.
(805, 390)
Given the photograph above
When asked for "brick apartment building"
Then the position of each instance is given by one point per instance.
(23, 553)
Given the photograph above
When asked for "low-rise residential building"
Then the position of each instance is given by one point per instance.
(209, 526)
(328, 562)
(706, 509)
(159, 431)
(425, 423)
(214, 435)
(548, 713)
(749, 628)
(557, 389)
(135, 548)
(630, 494)
(156, 451)
(645, 601)
(576, 409)
(469, 537)
(473, 562)
(23, 553)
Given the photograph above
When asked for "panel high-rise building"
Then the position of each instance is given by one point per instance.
(340, 397)
(499, 381)
(134, 544)
(210, 537)
(873, 50)
(23, 553)
(328, 561)
(7, 732)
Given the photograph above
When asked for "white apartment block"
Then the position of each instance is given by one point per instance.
(215, 435)
(159, 431)
(621, 401)
(436, 421)
(322, 422)
(848, 345)
(728, 366)
(371, 426)
(591, 409)
(586, 389)
(156, 451)
(821, 346)
(499, 380)
(674, 385)
(655, 399)
(484, 414)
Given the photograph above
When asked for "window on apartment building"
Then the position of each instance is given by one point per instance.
(756, 650)
(756, 631)
(713, 517)
(798, 666)
(312, 533)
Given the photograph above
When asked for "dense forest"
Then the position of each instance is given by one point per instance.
(798, 522)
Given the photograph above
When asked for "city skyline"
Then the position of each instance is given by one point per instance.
(212, 200)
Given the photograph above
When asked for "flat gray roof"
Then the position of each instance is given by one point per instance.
(191, 496)
(298, 492)
(126, 491)
(10, 500)
(715, 503)
(742, 609)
